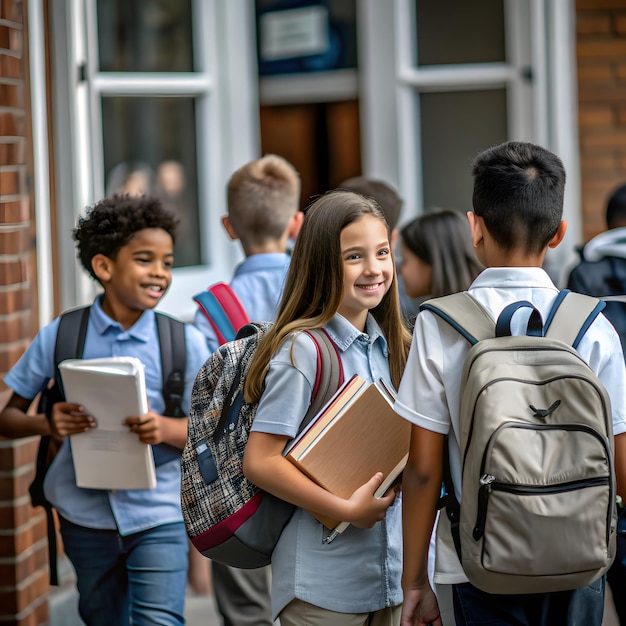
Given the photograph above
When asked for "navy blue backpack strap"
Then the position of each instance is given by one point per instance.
(173, 349)
(534, 327)
(69, 344)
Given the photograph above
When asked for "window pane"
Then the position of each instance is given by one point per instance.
(455, 128)
(458, 31)
(145, 35)
(150, 147)
(301, 36)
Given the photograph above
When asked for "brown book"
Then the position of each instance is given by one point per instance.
(363, 437)
(342, 397)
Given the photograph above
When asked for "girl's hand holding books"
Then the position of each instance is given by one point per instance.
(365, 508)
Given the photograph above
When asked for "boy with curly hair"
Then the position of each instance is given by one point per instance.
(128, 547)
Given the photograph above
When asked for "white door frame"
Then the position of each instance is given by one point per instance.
(224, 86)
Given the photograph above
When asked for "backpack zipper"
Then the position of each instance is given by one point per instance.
(489, 483)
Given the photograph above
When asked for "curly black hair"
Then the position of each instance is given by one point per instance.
(110, 224)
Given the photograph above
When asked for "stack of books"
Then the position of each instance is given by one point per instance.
(354, 436)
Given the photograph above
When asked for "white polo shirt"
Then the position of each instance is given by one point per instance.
(429, 394)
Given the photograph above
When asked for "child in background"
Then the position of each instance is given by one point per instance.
(263, 216)
(129, 548)
(518, 205)
(436, 253)
(342, 278)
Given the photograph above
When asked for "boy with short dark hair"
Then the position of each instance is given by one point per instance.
(263, 215)
(128, 547)
(518, 200)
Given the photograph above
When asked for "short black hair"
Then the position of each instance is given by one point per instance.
(616, 208)
(518, 191)
(111, 223)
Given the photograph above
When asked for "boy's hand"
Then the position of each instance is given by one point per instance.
(69, 419)
(149, 427)
(366, 508)
(420, 608)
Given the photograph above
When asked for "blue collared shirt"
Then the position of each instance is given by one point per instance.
(128, 511)
(360, 570)
(258, 282)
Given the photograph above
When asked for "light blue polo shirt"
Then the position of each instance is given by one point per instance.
(258, 281)
(128, 511)
(360, 570)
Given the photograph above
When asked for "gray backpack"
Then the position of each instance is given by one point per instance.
(537, 512)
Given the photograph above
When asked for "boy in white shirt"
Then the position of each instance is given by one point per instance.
(518, 203)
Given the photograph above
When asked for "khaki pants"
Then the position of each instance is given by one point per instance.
(298, 613)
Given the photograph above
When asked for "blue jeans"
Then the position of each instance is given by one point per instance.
(616, 576)
(141, 577)
(580, 607)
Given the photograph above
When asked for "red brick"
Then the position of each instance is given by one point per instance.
(11, 95)
(601, 49)
(13, 152)
(614, 138)
(10, 66)
(602, 94)
(12, 124)
(594, 73)
(12, 10)
(25, 565)
(13, 272)
(593, 23)
(17, 452)
(5, 37)
(10, 354)
(17, 299)
(16, 514)
(15, 601)
(11, 181)
(620, 23)
(15, 211)
(600, 116)
(16, 241)
(15, 484)
(596, 5)
(16, 543)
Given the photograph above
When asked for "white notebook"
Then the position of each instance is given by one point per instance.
(109, 456)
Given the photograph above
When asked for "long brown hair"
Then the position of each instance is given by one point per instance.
(314, 286)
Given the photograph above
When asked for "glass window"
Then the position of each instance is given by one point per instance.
(458, 31)
(150, 147)
(455, 127)
(301, 36)
(145, 36)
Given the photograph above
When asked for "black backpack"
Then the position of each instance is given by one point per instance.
(69, 344)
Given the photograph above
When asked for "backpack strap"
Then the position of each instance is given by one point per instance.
(173, 349)
(328, 378)
(70, 339)
(173, 362)
(571, 315)
(329, 372)
(477, 322)
(223, 309)
(69, 344)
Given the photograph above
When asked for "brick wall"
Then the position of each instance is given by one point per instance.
(601, 53)
(23, 547)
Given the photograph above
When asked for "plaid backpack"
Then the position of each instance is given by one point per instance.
(228, 519)
(538, 511)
